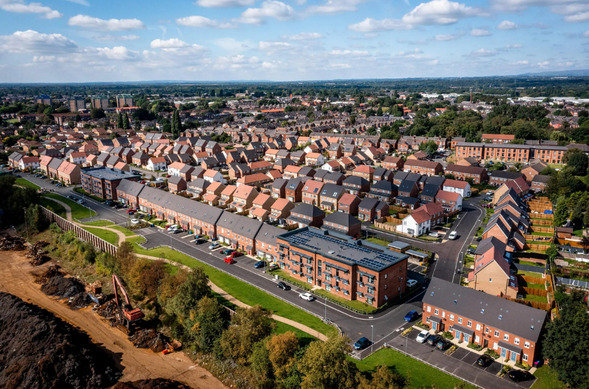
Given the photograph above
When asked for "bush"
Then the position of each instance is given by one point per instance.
(492, 353)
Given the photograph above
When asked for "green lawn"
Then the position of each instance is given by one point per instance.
(541, 268)
(78, 211)
(546, 378)
(379, 241)
(26, 183)
(241, 290)
(107, 235)
(124, 230)
(541, 233)
(53, 206)
(578, 233)
(529, 273)
(83, 192)
(538, 299)
(100, 223)
(537, 286)
(418, 374)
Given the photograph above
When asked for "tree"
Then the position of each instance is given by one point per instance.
(382, 378)
(578, 162)
(325, 365)
(126, 124)
(119, 120)
(36, 221)
(430, 147)
(189, 293)
(566, 342)
(176, 124)
(260, 360)
(281, 352)
(552, 252)
(248, 326)
(561, 213)
(212, 319)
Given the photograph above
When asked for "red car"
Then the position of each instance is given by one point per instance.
(235, 254)
(131, 211)
(229, 260)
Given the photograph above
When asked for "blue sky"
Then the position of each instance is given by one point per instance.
(209, 40)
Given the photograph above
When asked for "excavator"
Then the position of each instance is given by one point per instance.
(126, 315)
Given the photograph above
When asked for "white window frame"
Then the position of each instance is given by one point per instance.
(506, 337)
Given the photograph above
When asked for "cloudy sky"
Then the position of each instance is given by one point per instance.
(208, 40)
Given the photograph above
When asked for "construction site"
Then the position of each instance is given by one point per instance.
(59, 332)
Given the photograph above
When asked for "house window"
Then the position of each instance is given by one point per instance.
(452, 317)
(469, 323)
(429, 309)
(527, 344)
(525, 357)
(459, 320)
(436, 311)
(505, 337)
(496, 333)
(516, 341)
(495, 346)
(490, 280)
(479, 327)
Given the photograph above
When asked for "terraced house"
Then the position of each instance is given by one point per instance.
(348, 268)
(511, 329)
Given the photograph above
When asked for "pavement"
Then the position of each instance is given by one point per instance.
(382, 328)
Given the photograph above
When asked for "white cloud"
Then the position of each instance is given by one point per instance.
(270, 9)
(479, 32)
(349, 53)
(340, 66)
(224, 3)
(43, 58)
(431, 13)
(334, 6)
(543, 64)
(448, 37)
(201, 21)
(119, 53)
(19, 6)
(31, 41)
(507, 25)
(273, 46)
(303, 36)
(80, 2)
(483, 53)
(439, 12)
(104, 24)
(371, 25)
(586, 34)
(523, 62)
(173, 43)
(231, 44)
(577, 18)
(520, 5)
(513, 46)
(109, 37)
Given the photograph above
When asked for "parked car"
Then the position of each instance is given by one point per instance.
(433, 339)
(478, 238)
(109, 202)
(131, 211)
(273, 266)
(134, 221)
(470, 250)
(422, 336)
(178, 230)
(80, 201)
(283, 286)
(489, 193)
(213, 245)
(519, 375)
(199, 241)
(227, 251)
(260, 264)
(411, 315)
(361, 343)
(411, 283)
(484, 360)
(443, 344)
(229, 260)
(433, 234)
(307, 296)
(453, 235)
(173, 227)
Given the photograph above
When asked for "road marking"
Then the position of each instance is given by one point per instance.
(186, 236)
(461, 252)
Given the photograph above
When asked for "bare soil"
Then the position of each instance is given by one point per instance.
(138, 364)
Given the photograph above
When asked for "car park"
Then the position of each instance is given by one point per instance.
(453, 235)
(361, 343)
(411, 315)
(283, 286)
(259, 264)
(433, 339)
(229, 260)
(307, 296)
(519, 375)
(422, 336)
(411, 283)
(213, 245)
(443, 344)
(484, 360)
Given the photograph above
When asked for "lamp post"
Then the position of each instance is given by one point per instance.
(325, 305)
(372, 339)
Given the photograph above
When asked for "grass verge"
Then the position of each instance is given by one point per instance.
(546, 378)
(78, 211)
(107, 235)
(124, 230)
(418, 374)
(52, 206)
(26, 183)
(528, 273)
(99, 223)
(241, 290)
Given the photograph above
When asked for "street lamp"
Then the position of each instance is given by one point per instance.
(372, 340)
(325, 305)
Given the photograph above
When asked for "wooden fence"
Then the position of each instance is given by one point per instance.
(81, 233)
(541, 216)
(387, 223)
(541, 222)
(539, 247)
(549, 230)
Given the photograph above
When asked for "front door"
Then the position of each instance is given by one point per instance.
(434, 326)
(513, 356)
(503, 352)
(467, 338)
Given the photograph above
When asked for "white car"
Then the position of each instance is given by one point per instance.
(214, 246)
(422, 336)
(173, 227)
(134, 221)
(453, 235)
(433, 234)
(411, 283)
(307, 296)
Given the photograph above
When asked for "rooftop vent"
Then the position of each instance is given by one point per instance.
(483, 310)
(331, 252)
(455, 301)
(500, 317)
(532, 327)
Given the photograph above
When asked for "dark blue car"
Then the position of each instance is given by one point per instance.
(362, 343)
(411, 315)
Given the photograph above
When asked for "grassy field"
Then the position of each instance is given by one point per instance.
(78, 211)
(418, 374)
(100, 223)
(107, 235)
(124, 230)
(239, 289)
(546, 378)
(528, 273)
(53, 206)
(538, 299)
(26, 183)
(379, 241)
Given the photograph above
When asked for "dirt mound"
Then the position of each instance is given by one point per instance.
(40, 350)
(54, 283)
(151, 339)
(158, 383)
(36, 253)
(13, 243)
